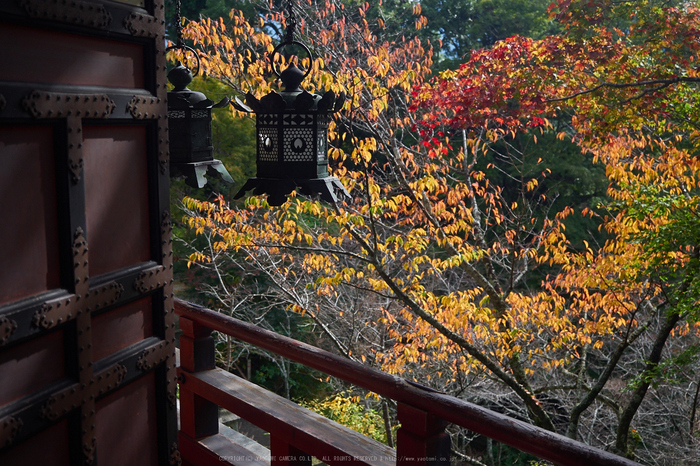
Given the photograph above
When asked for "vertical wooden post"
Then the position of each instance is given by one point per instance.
(284, 454)
(198, 416)
(196, 346)
(421, 439)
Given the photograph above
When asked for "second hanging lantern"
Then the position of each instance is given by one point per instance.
(292, 135)
(189, 122)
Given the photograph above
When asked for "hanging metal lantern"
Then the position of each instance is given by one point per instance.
(189, 122)
(292, 136)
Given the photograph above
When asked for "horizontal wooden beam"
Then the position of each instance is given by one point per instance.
(306, 430)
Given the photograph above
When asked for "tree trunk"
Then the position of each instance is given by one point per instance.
(621, 444)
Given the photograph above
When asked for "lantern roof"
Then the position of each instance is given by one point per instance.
(297, 101)
(293, 99)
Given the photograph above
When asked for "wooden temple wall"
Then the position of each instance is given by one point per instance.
(87, 362)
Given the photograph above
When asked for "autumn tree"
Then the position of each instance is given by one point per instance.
(427, 271)
(633, 94)
(235, 53)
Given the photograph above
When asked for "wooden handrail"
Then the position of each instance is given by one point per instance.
(518, 434)
(287, 420)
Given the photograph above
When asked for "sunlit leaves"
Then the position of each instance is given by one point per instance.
(463, 274)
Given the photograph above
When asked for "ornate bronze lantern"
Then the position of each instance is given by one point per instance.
(292, 136)
(189, 122)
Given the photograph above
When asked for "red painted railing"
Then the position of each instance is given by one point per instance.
(422, 412)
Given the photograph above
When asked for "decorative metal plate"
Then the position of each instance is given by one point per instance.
(9, 428)
(142, 25)
(145, 107)
(7, 328)
(76, 12)
(42, 104)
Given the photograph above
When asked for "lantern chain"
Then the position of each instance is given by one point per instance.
(291, 22)
(180, 44)
(178, 28)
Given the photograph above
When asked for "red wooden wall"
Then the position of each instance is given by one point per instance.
(86, 313)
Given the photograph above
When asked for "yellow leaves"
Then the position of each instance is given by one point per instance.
(197, 257)
(363, 150)
(349, 411)
(391, 205)
(427, 226)
(531, 185)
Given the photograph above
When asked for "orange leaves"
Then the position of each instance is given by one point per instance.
(420, 22)
(449, 252)
(229, 51)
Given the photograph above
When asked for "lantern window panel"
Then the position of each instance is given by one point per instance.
(298, 145)
(267, 148)
(321, 146)
(176, 114)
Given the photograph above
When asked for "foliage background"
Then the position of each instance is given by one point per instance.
(523, 231)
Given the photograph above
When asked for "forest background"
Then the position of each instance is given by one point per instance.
(523, 231)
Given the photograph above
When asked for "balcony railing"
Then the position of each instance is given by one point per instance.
(296, 434)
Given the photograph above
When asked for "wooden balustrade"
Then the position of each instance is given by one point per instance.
(296, 433)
